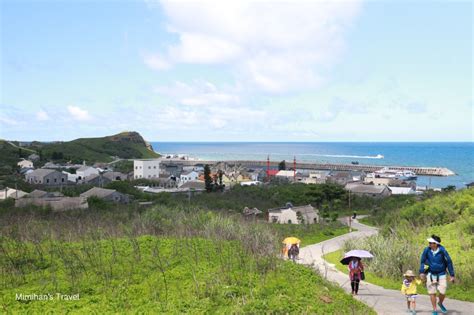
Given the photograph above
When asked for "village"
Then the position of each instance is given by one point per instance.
(154, 176)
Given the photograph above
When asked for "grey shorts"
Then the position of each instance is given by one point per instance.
(433, 286)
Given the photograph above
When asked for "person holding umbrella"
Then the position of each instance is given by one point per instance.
(291, 247)
(356, 268)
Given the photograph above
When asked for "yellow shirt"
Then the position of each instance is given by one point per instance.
(411, 289)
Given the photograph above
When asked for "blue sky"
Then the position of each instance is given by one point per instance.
(246, 71)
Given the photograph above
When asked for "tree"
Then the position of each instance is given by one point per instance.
(300, 218)
(208, 178)
(57, 155)
(449, 188)
(282, 166)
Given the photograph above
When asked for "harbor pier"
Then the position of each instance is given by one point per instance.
(419, 170)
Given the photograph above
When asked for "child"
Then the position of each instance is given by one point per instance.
(409, 289)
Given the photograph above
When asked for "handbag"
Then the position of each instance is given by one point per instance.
(362, 275)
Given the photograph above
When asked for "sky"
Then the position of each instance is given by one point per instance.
(237, 71)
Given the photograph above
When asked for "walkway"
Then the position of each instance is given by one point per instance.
(384, 301)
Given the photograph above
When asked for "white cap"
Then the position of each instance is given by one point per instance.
(432, 240)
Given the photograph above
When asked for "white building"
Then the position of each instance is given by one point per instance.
(85, 171)
(293, 215)
(146, 169)
(188, 176)
(25, 164)
(70, 177)
(11, 193)
(402, 190)
(193, 168)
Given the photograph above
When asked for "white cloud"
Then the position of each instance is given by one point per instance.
(78, 113)
(156, 62)
(8, 121)
(272, 46)
(42, 115)
(199, 93)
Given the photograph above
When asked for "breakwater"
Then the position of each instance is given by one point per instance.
(419, 170)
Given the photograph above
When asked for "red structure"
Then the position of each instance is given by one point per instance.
(268, 166)
(270, 173)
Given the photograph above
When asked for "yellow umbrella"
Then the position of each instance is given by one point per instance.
(291, 240)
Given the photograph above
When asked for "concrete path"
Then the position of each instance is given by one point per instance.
(384, 301)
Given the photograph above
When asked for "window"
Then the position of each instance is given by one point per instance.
(136, 167)
(62, 180)
(47, 181)
(149, 167)
(289, 221)
(55, 180)
(274, 219)
(154, 167)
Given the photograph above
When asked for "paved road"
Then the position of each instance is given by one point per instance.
(384, 301)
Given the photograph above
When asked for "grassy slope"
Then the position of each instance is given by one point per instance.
(9, 156)
(100, 149)
(310, 234)
(166, 275)
(125, 145)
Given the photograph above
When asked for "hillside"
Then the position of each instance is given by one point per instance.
(124, 145)
(10, 154)
(169, 260)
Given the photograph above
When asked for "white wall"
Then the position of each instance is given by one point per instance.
(89, 171)
(146, 169)
(284, 216)
(191, 176)
(25, 164)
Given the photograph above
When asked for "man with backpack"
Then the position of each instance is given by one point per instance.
(438, 260)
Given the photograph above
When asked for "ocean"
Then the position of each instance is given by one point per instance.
(457, 156)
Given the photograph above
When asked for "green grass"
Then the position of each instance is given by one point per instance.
(366, 221)
(310, 233)
(163, 275)
(125, 145)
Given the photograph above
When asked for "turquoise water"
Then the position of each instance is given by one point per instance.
(457, 156)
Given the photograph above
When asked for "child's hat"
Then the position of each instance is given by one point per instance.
(409, 273)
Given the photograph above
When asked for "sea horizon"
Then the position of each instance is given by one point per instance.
(456, 156)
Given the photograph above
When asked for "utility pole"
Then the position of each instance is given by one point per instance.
(268, 167)
(294, 169)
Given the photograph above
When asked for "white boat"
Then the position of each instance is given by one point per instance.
(388, 173)
(407, 175)
(385, 173)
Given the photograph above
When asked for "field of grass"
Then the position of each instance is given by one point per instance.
(366, 221)
(311, 233)
(125, 145)
(159, 260)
